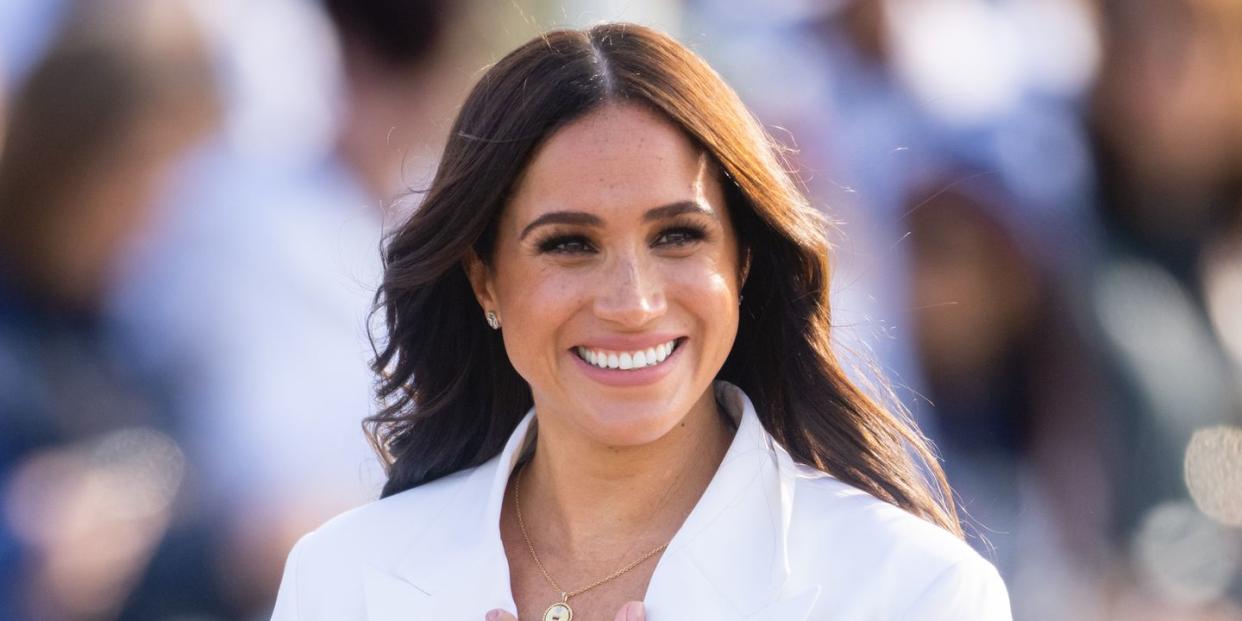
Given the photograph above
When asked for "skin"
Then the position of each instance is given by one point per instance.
(617, 468)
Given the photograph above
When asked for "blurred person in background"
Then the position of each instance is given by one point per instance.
(90, 477)
(252, 295)
(1009, 370)
(1166, 119)
(388, 49)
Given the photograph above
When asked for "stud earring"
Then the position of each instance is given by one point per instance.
(493, 320)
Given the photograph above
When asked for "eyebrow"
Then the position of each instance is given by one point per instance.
(582, 218)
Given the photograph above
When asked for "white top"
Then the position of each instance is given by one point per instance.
(768, 540)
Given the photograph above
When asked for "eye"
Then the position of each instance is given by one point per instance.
(680, 236)
(566, 244)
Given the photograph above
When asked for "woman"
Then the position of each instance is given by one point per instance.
(609, 383)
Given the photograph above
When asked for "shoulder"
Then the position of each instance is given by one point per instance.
(829, 511)
(878, 560)
(324, 571)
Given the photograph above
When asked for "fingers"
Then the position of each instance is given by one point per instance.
(500, 615)
(631, 611)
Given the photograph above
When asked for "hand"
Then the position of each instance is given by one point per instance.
(631, 611)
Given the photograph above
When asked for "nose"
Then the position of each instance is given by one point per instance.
(631, 292)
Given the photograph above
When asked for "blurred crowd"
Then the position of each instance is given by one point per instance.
(1036, 210)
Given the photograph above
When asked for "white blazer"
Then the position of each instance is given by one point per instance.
(768, 540)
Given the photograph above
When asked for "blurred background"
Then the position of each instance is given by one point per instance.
(1038, 241)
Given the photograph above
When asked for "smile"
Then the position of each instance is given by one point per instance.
(627, 360)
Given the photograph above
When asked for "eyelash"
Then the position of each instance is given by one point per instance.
(556, 244)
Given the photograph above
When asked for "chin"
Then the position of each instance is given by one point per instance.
(631, 422)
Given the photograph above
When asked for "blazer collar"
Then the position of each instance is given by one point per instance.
(728, 561)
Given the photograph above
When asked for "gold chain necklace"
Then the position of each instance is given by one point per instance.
(560, 611)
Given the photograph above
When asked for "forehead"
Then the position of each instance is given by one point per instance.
(614, 159)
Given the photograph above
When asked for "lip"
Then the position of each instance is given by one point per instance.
(632, 377)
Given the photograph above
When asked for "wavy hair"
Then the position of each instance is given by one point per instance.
(450, 396)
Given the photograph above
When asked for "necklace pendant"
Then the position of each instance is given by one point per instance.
(560, 611)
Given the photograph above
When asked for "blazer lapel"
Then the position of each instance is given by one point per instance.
(456, 568)
(389, 598)
(730, 559)
(685, 592)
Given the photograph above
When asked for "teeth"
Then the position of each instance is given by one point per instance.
(629, 359)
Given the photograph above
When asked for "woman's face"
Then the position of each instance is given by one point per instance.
(615, 277)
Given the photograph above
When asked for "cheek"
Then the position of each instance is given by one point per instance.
(535, 303)
(542, 292)
(708, 291)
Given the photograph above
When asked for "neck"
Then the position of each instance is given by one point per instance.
(598, 501)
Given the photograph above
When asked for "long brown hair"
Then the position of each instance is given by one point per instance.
(451, 396)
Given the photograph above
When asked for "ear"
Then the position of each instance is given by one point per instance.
(480, 277)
